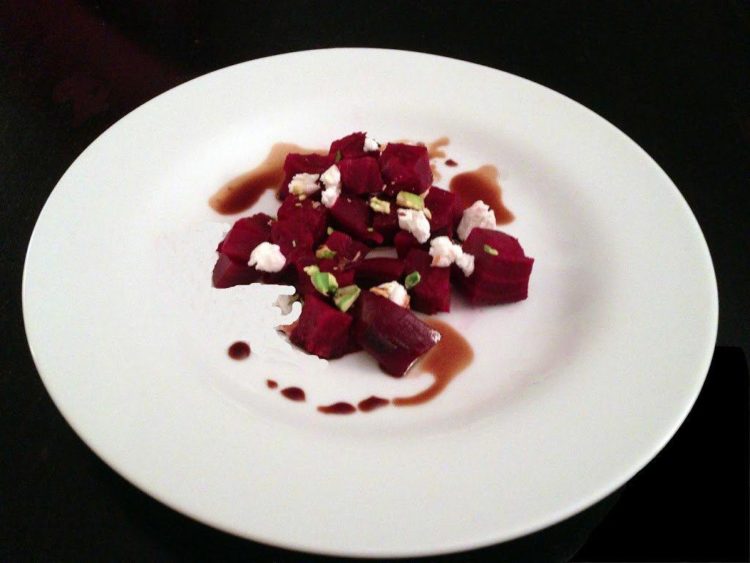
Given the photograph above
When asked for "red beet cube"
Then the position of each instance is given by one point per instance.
(348, 251)
(375, 271)
(442, 205)
(312, 214)
(354, 217)
(393, 335)
(301, 163)
(386, 224)
(322, 329)
(405, 168)
(433, 292)
(245, 235)
(497, 278)
(351, 146)
(360, 175)
(404, 242)
(228, 273)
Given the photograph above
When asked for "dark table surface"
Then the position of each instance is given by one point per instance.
(672, 75)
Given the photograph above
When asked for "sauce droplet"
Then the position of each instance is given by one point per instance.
(271, 384)
(445, 361)
(451, 162)
(482, 183)
(372, 403)
(242, 192)
(239, 350)
(293, 393)
(338, 408)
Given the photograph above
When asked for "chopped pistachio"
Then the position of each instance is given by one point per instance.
(412, 279)
(339, 156)
(346, 296)
(370, 229)
(427, 213)
(329, 231)
(311, 270)
(489, 250)
(380, 205)
(324, 282)
(325, 253)
(410, 200)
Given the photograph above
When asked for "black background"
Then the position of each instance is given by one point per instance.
(672, 75)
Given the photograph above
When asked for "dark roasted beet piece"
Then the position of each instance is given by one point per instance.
(360, 175)
(322, 329)
(351, 146)
(404, 242)
(442, 205)
(375, 271)
(433, 292)
(245, 235)
(301, 163)
(393, 335)
(405, 168)
(354, 217)
(348, 251)
(312, 214)
(293, 238)
(228, 273)
(497, 278)
(386, 224)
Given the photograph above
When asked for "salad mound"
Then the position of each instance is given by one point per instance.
(335, 210)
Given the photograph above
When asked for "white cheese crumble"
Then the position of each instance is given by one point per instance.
(331, 179)
(478, 215)
(445, 252)
(415, 222)
(370, 144)
(393, 291)
(304, 184)
(267, 257)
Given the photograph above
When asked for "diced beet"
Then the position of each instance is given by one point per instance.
(301, 163)
(360, 175)
(503, 278)
(404, 242)
(386, 224)
(351, 146)
(344, 276)
(228, 273)
(293, 238)
(393, 335)
(375, 271)
(322, 329)
(348, 251)
(245, 235)
(433, 292)
(312, 214)
(442, 205)
(405, 168)
(354, 216)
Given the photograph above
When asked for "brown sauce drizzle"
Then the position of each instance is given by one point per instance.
(445, 361)
(372, 403)
(271, 384)
(451, 162)
(338, 408)
(293, 393)
(239, 350)
(242, 192)
(482, 183)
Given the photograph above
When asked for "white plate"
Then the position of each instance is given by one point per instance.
(570, 394)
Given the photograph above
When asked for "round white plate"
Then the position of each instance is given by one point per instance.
(571, 392)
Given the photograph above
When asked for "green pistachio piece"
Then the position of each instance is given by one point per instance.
(329, 231)
(410, 200)
(346, 296)
(412, 279)
(339, 156)
(489, 250)
(311, 270)
(324, 282)
(325, 253)
(380, 206)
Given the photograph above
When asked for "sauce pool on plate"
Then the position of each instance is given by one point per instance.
(482, 183)
(239, 350)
